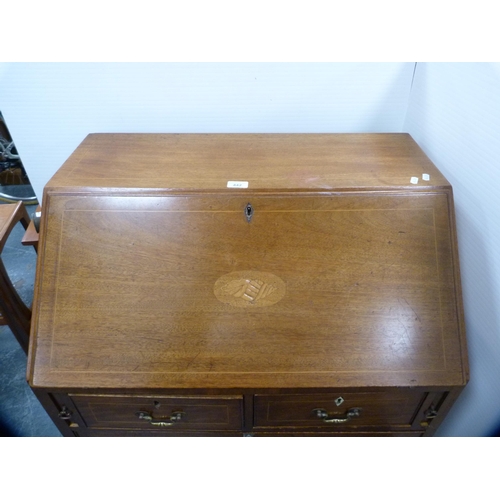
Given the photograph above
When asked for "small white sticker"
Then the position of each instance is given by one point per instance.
(414, 180)
(237, 184)
(38, 214)
(426, 177)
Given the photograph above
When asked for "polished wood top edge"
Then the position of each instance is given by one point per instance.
(236, 392)
(252, 134)
(204, 159)
(250, 380)
(136, 192)
(242, 388)
(343, 137)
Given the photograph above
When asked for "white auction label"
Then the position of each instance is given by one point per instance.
(414, 180)
(426, 177)
(237, 184)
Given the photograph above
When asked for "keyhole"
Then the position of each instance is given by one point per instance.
(249, 212)
(156, 404)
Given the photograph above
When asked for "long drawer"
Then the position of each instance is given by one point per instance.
(398, 410)
(160, 413)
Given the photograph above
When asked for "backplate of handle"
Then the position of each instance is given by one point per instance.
(161, 422)
(340, 419)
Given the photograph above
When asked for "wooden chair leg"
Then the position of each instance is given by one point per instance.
(14, 311)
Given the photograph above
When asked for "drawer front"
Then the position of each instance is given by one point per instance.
(160, 413)
(152, 433)
(391, 410)
(339, 434)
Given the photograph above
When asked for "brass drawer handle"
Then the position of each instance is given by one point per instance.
(174, 418)
(323, 414)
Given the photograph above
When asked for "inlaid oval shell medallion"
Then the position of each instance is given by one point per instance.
(249, 289)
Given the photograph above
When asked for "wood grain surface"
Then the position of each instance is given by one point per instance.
(126, 292)
(266, 161)
(321, 298)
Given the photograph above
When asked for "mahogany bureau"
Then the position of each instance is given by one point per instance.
(247, 284)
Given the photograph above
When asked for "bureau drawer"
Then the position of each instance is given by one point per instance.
(165, 413)
(97, 432)
(391, 409)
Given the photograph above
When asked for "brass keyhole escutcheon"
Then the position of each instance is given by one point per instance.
(249, 212)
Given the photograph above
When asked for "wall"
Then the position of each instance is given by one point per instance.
(50, 108)
(454, 115)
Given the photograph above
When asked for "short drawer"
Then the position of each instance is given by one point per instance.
(97, 432)
(392, 409)
(165, 413)
(324, 433)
